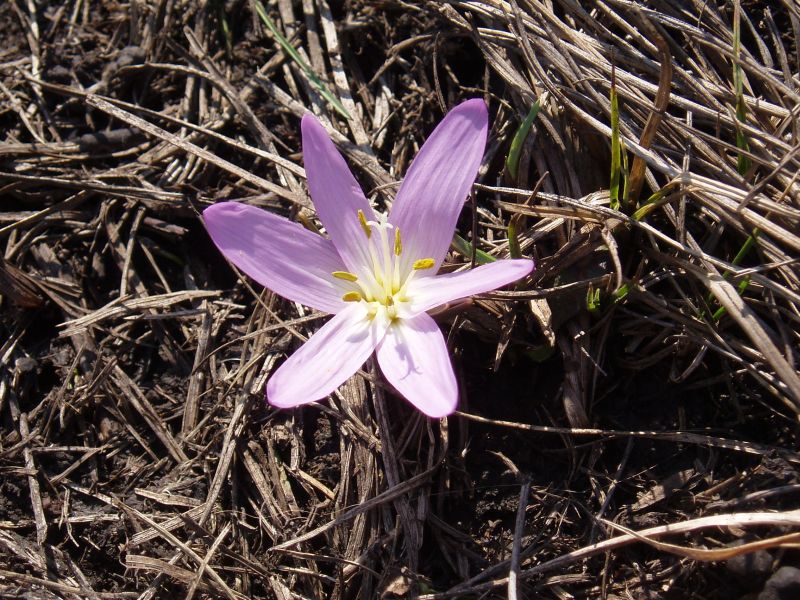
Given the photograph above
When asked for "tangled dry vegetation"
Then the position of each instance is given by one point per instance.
(628, 422)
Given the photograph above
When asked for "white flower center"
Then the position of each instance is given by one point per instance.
(382, 283)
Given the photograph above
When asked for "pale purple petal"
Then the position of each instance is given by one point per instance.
(430, 292)
(414, 359)
(336, 194)
(327, 359)
(437, 183)
(279, 254)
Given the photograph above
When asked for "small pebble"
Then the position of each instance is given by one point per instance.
(752, 566)
(25, 364)
(783, 585)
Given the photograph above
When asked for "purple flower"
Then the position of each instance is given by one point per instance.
(376, 275)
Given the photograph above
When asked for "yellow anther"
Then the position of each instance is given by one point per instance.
(423, 263)
(364, 225)
(352, 297)
(346, 275)
(398, 245)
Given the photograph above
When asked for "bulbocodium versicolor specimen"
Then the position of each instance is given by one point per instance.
(377, 275)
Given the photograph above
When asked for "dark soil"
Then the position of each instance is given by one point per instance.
(106, 491)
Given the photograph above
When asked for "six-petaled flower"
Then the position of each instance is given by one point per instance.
(376, 275)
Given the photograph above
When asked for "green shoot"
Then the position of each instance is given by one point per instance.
(622, 292)
(594, 300)
(295, 56)
(619, 158)
(742, 162)
(464, 248)
(514, 153)
(653, 202)
(226, 28)
(513, 240)
(744, 283)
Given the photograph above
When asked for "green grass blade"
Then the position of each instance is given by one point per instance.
(513, 239)
(594, 300)
(653, 202)
(740, 255)
(226, 28)
(746, 247)
(514, 153)
(741, 288)
(626, 203)
(742, 162)
(464, 248)
(616, 150)
(295, 56)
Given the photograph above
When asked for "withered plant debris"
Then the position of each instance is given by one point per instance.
(629, 413)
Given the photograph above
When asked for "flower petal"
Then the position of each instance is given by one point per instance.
(437, 183)
(429, 292)
(413, 356)
(279, 254)
(327, 359)
(336, 194)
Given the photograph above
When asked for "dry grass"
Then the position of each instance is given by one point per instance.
(614, 452)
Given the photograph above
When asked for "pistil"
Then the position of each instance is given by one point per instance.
(382, 283)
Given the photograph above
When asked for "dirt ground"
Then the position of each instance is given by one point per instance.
(628, 418)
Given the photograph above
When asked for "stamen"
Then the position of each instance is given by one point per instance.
(364, 225)
(398, 245)
(396, 274)
(352, 297)
(423, 263)
(346, 275)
